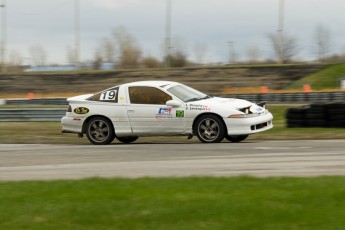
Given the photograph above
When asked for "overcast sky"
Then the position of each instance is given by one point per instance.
(213, 23)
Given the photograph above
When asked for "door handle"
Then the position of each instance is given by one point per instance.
(130, 110)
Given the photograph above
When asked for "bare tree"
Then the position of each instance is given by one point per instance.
(129, 51)
(15, 58)
(151, 62)
(97, 61)
(70, 55)
(108, 50)
(178, 56)
(177, 59)
(38, 55)
(323, 42)
(253, 53)
(121, 49)
(105, 52)
(285, 47)
(200, 51)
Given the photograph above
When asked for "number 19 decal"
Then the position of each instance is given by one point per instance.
(108, 95)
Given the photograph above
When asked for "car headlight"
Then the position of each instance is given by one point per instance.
(253, 110)
(244, 115)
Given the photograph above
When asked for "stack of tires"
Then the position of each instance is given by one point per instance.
(317, 115)
(295, 117)
(336, 115)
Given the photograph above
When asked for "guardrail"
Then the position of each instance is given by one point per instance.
(36, 101)
(269, 97)
(55, 114)
(39, 114)
(291, 97)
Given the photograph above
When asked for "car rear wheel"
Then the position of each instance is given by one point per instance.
(100, 131)
(127, 140)
(237, 138)
(210, 129)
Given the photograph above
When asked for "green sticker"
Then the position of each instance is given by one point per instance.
(179, 113)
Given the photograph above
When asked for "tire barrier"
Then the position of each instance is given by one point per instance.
(330, 115)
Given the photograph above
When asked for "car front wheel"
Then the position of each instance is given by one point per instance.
(237, 138)
(100, 131)
(210, 129)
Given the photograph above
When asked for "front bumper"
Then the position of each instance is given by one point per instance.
(244, 126)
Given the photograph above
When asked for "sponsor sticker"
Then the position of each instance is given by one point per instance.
(179, 113)
(163, 113)
(198, 107)
(81, 110)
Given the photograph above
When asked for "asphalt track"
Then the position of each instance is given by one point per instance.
(255, 158)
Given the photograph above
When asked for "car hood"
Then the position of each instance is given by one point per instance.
(219, 103)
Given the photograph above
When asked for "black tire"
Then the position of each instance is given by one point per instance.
(319, 106)
(336, 124)
(336, 105)
(301, 122)
(209, 129)
(100, 131)
(315, 116)
(296, 110)
(315, 111)
(294, 116)
(316, 123)
(336, 111)
(336, 117)
(127, 140)
(294, 126)
(237, 138)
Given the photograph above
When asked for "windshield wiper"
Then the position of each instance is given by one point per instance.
(193, 99)
(198, 98)
(207, 97)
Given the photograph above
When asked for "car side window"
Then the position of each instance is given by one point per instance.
(148, 95)
(109, 95)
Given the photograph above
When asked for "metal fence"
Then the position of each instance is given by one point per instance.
(291, 97)
(37, 101)
(55, 114)
(39, 114)
(269, 97)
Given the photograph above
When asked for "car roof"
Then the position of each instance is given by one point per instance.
(151, 83)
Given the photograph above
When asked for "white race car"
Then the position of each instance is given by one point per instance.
(155, 108)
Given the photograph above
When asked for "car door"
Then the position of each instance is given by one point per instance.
(110, 103)
(149, 115)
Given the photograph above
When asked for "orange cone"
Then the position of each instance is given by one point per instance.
(264, 89)
(306, 88)
(30, 96)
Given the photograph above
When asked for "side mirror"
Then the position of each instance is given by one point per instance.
(173, 103)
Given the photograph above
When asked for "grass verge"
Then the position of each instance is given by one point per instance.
(175, 203)
(328, 78)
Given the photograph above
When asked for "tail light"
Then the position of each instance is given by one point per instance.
(69, 109)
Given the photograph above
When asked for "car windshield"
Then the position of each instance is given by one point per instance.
(187, 94)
